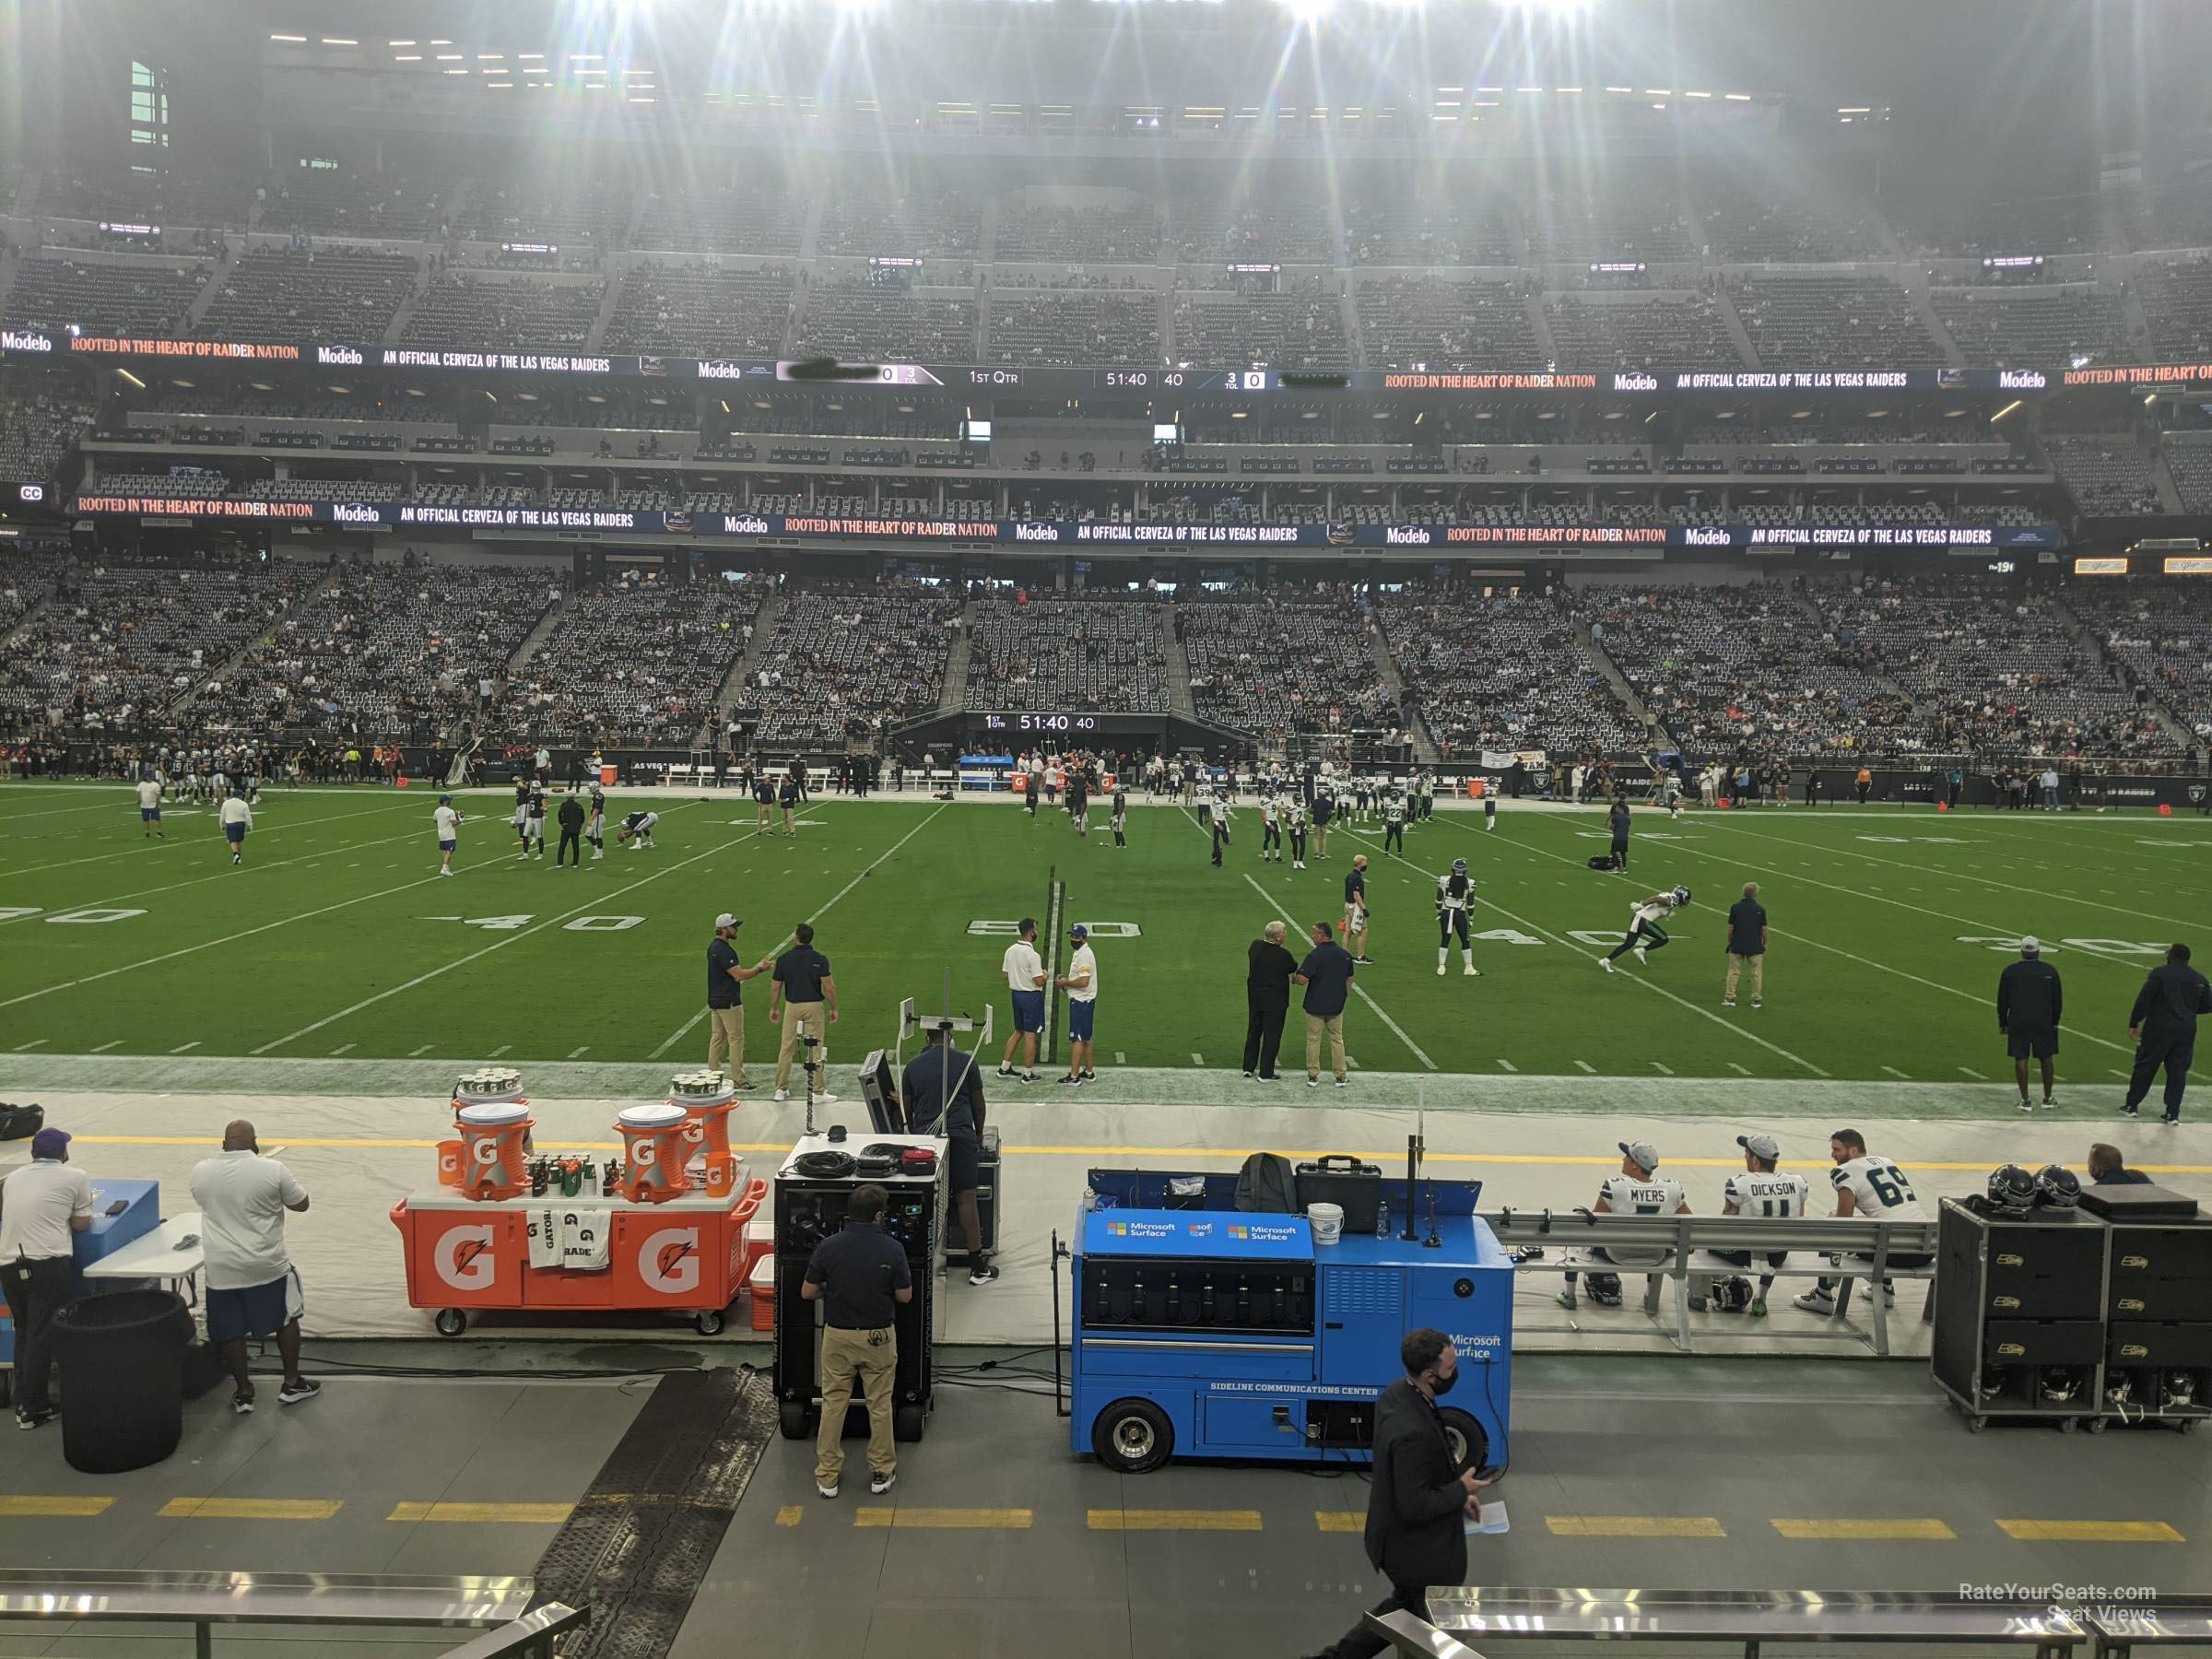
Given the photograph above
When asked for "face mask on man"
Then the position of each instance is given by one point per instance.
(1443, 1382)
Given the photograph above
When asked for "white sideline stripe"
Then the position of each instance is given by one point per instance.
(820, 910)
(1291, 921)
(218, 876)
(140, 851)
(497, 945)
(1876, 894)
(129, 803)
(211, 944)
(1558, 939)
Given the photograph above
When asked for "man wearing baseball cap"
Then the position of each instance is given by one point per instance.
(1638, 1190)
(725, 1012)
(42, 1204)
(2029, 1002)
(1081, 983)
(1767, 1192)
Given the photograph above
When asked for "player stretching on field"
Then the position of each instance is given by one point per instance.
(1645, 935)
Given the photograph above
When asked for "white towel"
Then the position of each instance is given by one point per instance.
(545, 1238)
(583, 1241)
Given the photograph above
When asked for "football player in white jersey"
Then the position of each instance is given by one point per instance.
(1453, 892)
(1645, 933)
(1295, 816)
(1867, 1185)
(1638, 1190)
(1767, 1192)
(1271, 830)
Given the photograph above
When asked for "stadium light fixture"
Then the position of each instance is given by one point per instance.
(290, 40)
(406, 57)
(450, 57)
(1621, 89)
(336, 41)
(1737, 96)
(456, 72)
(399, 42)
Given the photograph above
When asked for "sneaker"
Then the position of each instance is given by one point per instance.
(1642, 957)
(1759, 1002)
(1032, 1077)
(827, 1491)
(291, 1393)
(1072, 1080)
(1470, 971)
(880, 1484)
(1727, 1002)
(1889, 1296)
(783, 1094)
(2129, 1112)
(985, 1275)
(1758, 1309)
(1249, 1075)
(1089, 1076)
(242, 1404)
(2026, 1104)
(237, 859)
(2050, 1104)
(1312, 1082)
(1340, 1083)
(1698, 1304)
(1815, 1301)
(27, 1420)
(1005, 1071)
(1440, 971)
(1566, 1300)
(2172, 1120)
(1607, 963)
(445, 871)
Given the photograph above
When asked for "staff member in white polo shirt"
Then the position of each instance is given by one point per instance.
(40, 1205)
(237, 818)
(1081, 983)
(253, 1288)
(1024, 970)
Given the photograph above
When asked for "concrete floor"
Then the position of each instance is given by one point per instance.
(998, 1539)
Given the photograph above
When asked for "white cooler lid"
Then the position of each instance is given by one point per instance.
(651, 1117)
(491, 1115)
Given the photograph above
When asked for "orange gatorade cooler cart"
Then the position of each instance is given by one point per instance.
(656, 1147)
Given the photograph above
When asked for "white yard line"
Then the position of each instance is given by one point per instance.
(1735, 1067)
(34, 1042)
(1569, 944)
(104, 1047)
(420, 979)
(1508, 1066)
(423, 1049)
(1895, 1072)
(578, 1053)
(343, 1048)
(140, 849)
(1196, 1058)
(1977, 1076)
(1586, 1065)
(494, 1055)
(185, 1048)
(1359, 990)
(1666, 1071)
(147, 962)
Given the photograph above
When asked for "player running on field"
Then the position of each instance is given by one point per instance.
(1645, 935)
(637, 829)
(1452, 896)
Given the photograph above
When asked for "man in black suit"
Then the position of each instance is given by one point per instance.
(1266, 1001)
(1417, 1506)
(2163, 1025)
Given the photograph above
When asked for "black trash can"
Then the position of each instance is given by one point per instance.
(122, 1362)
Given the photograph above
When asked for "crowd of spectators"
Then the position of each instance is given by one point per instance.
(462, 311)
(2033, 328)
(634, 662)
(1045, 230)
(1294, 661)
(1388, 228)
(1283, 330)
(1674, 332)
(39, 425)
(841, 664)
(2159, 630)
(701, 311)
(1500, 671)
(857, 322)
(1104, 653)
(1833, 322)
(1409, 320)
(137, 297)
(1073, 327)
(343, 204)
(917, 219)
(761, 217)
(395, 648)
(2189, 461)
(2106, 473)
(312, 294)
(1752, 222)
(2177, 305)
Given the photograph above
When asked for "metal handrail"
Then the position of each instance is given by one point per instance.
(1748, 1618)
(205, 1599)
(529, 1637)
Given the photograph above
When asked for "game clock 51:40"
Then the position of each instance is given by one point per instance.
(1040, 723)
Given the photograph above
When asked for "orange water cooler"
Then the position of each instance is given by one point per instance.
(657, 1144)
(495, 1149)
(708, 1099)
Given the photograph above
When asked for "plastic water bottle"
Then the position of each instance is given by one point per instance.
(1383, 1219)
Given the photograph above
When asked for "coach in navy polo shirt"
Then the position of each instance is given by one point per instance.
(1326, 974)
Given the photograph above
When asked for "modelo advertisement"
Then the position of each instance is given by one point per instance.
(1062, 533)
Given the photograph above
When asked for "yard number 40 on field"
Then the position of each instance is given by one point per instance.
(513, 923)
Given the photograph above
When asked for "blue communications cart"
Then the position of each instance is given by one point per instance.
(1209, 1331)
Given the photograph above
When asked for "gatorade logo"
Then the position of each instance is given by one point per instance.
(668, 1260)
(463, 1258)
(486, 1151)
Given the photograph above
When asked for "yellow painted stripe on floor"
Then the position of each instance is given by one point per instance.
(1339, 1521)
(536, 1515)
(54, 1508)
(1635, 1526)
(250, 1509)
(789, 1515)
(1145, 1520)
(1865, 1531)
(1229, 1156)
(945, 1520)
(2092, 1532)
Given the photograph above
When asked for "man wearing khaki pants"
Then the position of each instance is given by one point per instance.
(1746, 946)
(803, 989)
(1326, 974)
(860, 1275)
(725, 1014)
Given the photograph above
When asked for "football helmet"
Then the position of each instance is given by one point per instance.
(1459, 867)
(1681, 895)
(2057, 1187)
(2011, 1189)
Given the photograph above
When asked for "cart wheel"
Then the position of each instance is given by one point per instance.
(797, 1419)
(1974, 1425)
(710, 1323)
(907, 1422)
(2188, 1425)
(452, 1322)
(1133, 1436)
(2098, 1425)
(2067, 1425)
(1470, 1447)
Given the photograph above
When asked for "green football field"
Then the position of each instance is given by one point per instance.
(339, 941)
